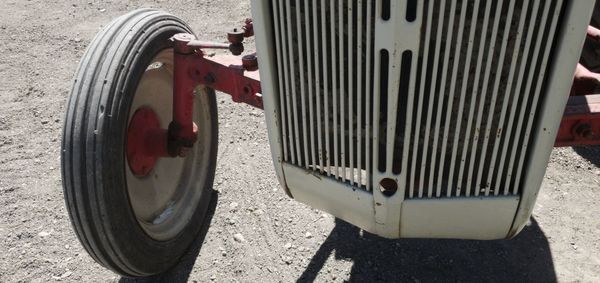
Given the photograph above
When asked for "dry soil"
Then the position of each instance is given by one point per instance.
(41, 43)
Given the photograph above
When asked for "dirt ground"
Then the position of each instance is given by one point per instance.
(41, 43)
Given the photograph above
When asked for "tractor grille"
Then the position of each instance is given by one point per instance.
(457, 119)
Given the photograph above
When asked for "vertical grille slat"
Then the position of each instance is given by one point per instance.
(538, 90)
(369, 89)
(490, 112)
(451, 115)
(317, 87)
(473, 101)
(440, 101)
(509, 86)
(359, 89)
(310, 81)
(482, 103)
(334, 87)
(351, 94)
(326, 65)
(527, 90)
(451, 98)
(408, 160)
(463, 94)
(518, 96)
(429, 155)
(288, 87)
(292, 82)
(342, 89)
(280, 75)
(303, 92)
(416, 153)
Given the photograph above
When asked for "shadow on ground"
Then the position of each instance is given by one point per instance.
(591, 153)
(523, 259)
(181, 272)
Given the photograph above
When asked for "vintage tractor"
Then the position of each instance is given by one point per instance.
(428, 119)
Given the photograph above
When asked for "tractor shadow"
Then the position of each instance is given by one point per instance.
(590, 153)
(181, 272)
(525, 258)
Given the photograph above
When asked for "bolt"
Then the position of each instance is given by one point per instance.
(210, 78)
(250, 62)
(181, 41)
(584, 130)
(235, 36)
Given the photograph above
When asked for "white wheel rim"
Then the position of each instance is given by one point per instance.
(165, 200)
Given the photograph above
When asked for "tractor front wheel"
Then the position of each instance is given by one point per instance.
(134, 214)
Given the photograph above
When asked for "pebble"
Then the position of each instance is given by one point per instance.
(287, 259)
(308, 235)
(233, 205)
(63, 276)
(239, 238)
(288, 246)
(44, 234)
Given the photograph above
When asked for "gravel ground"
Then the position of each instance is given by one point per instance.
(42, 42)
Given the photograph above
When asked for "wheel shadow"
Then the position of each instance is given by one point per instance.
(181, 272)
(590, 153)
(525, 258)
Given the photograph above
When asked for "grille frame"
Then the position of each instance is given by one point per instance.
(387, 211)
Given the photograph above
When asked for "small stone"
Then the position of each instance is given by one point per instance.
(233, 205)
(44, 122)
(258, 212)
(239, 238)
(288, 246)
(308, 235)
(213, 278)
(44, 234)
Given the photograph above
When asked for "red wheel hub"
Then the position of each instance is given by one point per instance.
(146, 142)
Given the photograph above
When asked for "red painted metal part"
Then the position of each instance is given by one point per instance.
(594, 34)
(146, 141)
(581, 122)
(228, 74)
(181, 129)
(239, 77)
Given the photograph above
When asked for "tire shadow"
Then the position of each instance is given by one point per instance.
(181, 272)
(525, 258)
(590, 153)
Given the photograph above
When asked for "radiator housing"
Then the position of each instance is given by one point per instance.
(420, 119)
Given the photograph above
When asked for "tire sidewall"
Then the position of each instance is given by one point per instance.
(141, 251)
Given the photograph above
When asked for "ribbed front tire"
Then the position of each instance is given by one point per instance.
(95, 171)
